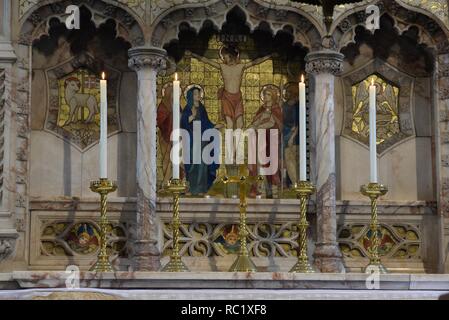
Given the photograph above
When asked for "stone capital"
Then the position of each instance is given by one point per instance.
(141, 58)
(324, 62)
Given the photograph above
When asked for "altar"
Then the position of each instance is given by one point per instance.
(354, 169)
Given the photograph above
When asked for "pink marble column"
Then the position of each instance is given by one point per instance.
(147, 62)
(324, 65)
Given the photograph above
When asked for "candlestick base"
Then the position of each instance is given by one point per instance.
(302, 266)
(374, 190)
(175, 265)
(243, 264)
(102, 265)
(376, 268)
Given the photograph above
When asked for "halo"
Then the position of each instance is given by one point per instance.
(269, 86)
(221, 53)
(194, 86)
(285, 87)
(165, 86)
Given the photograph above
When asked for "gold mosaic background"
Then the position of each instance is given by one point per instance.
(387, 120)
(89, 85)
(192, 71)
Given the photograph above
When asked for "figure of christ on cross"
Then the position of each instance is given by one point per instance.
(231, 70)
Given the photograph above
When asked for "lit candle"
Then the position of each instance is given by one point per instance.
(372, 132)
(176, 125)
(302, 131)
(103, 127)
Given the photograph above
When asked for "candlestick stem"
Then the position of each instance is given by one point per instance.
(303, 190)
(103, 187)
(176, 187)
(243, 263)
(374, 191)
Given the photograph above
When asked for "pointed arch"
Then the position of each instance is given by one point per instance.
(306, 29)
(35, 23)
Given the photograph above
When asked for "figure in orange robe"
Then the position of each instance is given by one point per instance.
(269, 116)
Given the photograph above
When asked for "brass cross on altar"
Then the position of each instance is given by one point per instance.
(243, 262)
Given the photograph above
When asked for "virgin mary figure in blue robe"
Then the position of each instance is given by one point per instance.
(199, 176)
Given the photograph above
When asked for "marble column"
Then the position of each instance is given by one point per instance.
(147, 62)
(324, 65)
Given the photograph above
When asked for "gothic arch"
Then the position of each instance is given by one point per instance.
(431, 31)
(35, 23)
(307, 30)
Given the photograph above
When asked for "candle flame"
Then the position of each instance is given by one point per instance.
(103, 75)
(176, 76)
(302, 78)
(372, 81)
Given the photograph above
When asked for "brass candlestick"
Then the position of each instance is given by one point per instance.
(243, 263)
(374, 191)
(303, 190)
(176, 187)
(103, 187)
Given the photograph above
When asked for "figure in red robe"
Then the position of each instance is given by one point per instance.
(165, 125)
(269, 116)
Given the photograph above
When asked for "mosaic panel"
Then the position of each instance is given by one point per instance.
(269, 74)
(394, 104)
(387, 120)
(73, 111)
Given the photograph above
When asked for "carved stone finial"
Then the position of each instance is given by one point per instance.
(328, 42)
(7, 244)
(147, 57)
(324, 61)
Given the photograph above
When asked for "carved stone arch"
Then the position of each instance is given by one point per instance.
(35, 23)
(306, 28)
(431, 31)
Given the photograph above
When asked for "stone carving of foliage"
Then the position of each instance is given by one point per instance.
(25, 5)
(138, 6)
(437, 7)
(65, 238)
(199, 239)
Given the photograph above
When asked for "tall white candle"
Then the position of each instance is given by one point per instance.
(103, 127)
(372, 132)
(176, 125)
(302, 131)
